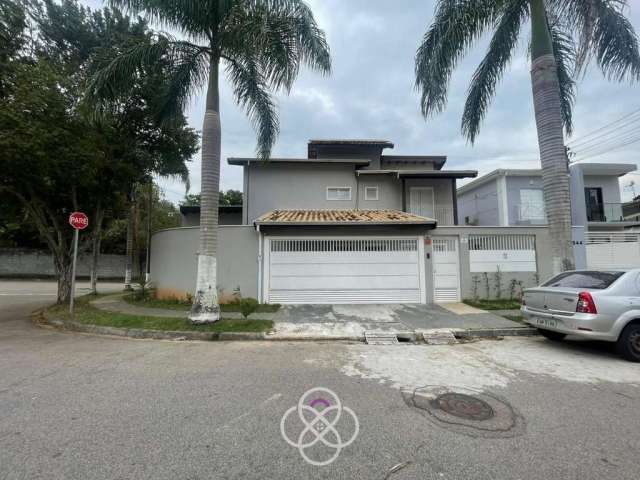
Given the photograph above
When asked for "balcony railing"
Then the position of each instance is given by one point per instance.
(605, 212)
(531, 213)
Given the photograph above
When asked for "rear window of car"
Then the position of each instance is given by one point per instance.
(595, 280)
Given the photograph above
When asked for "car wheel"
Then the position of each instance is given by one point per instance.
(555, 336)
(629, 343)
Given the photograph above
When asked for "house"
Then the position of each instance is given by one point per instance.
(512, 197)
(350, 223)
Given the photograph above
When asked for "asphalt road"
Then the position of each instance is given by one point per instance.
(75, 406)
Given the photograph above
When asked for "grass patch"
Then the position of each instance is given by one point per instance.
(85, 313)
(502, 304)
(515, 318)
(184, 306)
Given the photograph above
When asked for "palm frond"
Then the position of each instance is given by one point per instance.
(566, 57)
(602, 32)
(183, 66)
(457, 24)
(251, 92)
(279, 35)
(198, 19)
(490, 71)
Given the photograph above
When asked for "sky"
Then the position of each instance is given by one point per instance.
(370, 94)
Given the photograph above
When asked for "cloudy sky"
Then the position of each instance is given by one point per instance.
(370, 94)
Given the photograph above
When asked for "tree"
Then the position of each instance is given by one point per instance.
(565, 36)
(261, 44)
(230, 197)
(54, 158)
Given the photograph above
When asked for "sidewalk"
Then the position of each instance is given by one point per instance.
(351, 322)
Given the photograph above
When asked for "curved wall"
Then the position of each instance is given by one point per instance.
(174, 261)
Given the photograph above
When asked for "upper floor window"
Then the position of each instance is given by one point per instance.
(339, 193)
(531, 204)
(371, 193)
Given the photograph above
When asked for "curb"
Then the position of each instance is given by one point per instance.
(497, 332)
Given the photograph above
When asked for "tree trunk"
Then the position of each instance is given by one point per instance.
(553, 156)
(129, 248)
(96, 240)
(205, 307)
(63, 266)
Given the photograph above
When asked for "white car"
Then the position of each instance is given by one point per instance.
(601, 305)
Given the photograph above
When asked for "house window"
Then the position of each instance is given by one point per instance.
(339, 193)
(371, 193)
(531, 204)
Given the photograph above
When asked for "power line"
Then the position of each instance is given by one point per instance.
(613, 143)
(584, 137)
(630, 142)
(609, 135)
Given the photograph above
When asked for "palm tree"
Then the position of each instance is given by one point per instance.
(565, 36)
(261, 44)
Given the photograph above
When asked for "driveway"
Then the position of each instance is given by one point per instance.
(397, 317)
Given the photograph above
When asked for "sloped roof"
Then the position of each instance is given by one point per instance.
(342, 217)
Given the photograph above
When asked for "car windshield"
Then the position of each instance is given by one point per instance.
(596, 280)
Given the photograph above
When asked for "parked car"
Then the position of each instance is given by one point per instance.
(601, 305)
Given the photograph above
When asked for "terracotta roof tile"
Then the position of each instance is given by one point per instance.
(306, 217)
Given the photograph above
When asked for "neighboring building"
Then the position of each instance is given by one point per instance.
(227, 215)
(510, 197)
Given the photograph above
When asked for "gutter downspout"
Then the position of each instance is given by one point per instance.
(260, 238)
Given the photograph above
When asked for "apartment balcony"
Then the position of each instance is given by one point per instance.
(608, 212)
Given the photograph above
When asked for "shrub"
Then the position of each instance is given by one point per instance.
(248, 306)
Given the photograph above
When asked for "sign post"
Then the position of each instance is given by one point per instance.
(79, 221)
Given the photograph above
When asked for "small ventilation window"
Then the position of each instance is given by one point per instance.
(371, 193)
(339, 193)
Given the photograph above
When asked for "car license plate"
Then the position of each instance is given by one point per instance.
(546, 322)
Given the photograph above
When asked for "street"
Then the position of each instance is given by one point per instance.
(75, 406)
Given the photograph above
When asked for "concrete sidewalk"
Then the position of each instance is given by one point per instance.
(351, 322)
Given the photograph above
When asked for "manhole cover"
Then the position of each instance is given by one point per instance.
(463, 406)
(465, 410)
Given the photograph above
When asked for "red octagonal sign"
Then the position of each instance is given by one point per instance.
(78, 220)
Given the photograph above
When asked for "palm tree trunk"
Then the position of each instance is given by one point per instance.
(128, 271)
(205, 307)
(553, 156)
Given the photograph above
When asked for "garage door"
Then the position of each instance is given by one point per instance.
(344, 270)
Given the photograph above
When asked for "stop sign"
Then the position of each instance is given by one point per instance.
(78, 220)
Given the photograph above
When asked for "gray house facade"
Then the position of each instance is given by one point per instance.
(350, 224)
(514, 197)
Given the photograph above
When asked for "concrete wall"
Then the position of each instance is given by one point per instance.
(23, 263)
(174, 261)
(543, 251)
(389, 192)
(480, 204)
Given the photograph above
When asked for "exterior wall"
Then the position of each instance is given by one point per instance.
(407, 164)
(389, 192)
(514, 185)
(480, 204)
(24, 263)
(174, 261)
(543, 251)
(294, 186)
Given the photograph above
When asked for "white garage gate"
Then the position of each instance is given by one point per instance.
(344, 270)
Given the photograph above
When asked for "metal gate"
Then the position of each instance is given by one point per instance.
(612, 250)
(446, 270)
(344, 270)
